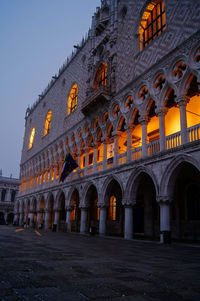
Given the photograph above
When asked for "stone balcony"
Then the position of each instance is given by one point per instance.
(94, 97)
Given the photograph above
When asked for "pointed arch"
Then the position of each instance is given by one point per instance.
(133, 181)
(167, 181)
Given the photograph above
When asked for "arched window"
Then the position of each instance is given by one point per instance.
(101, 76)
(72, 100)
(153, 22)
(47, 125)
(31, 139)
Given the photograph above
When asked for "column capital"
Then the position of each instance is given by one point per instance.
(182, 100)
(102, 205)
(163, 200)
(161, 111)
(69, 208)
(143, 119)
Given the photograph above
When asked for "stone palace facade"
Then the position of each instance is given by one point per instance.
(9, 188)
(126, 105)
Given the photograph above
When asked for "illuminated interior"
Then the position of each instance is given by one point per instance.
(193, 111)
(31, 139)
(112, 208)
(153, 23)
(122, 137)
(52, 173)
(47, 125)
(101, 76)
(153, 129)
(172, 121)
(122, 142)
(72, 100)
(136, 134)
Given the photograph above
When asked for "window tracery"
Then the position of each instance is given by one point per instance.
(153, 23)
(101, 76)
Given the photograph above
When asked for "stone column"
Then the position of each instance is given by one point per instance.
(31, 219)
(128, 229)
(21, 217)
(38, 218)
(129, 132)
(25, 218)
(16, 217)
(102, 220)
(144, 122)
(46, 219)
(68, 219)
(165, 227)
(83, 220)
(104, 154)
(182, 102)
(161, 114)
(57, 217)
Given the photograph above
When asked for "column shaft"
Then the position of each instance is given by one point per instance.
(128, 232)
(102, 221)
(83, 220)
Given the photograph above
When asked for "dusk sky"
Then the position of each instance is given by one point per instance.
(36, 37)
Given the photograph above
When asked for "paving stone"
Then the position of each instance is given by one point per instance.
(77, 268)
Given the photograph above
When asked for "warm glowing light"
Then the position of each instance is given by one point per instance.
(31, 139)
(172, 121)
(153, 129)
(72, 100)
(153, 23)
(193, 111)
(136, 136)
(100, 153)
(47, 125)
(110, 150)
(122, 143)
(112, 208)
(101, 76)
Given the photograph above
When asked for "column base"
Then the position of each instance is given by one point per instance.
(165, 237)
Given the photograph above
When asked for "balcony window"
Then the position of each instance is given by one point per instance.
(47, 125)
(153, 23)
(31, 139)
(101, 76)
(72, 100)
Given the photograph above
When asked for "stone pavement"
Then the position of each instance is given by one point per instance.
(53, 266)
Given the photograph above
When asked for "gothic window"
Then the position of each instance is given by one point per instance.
(72, 100)
(101, 76)
(153, 22)
(31, 139)
(47, 125)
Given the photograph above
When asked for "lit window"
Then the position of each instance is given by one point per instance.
(101, 76)
(153, 23)
(72, 100)
(47, 125)
(112, 208)
(31, 139)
